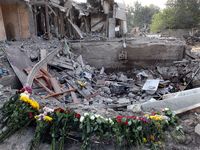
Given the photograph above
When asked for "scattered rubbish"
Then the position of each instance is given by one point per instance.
(151, 86)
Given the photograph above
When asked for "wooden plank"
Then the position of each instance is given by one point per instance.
(73, 94)
(48, 90)
(74, 86)
(47, 21)
(57, 94)
(55, 85)
(76, 28)
(61, 64)
(183, 110)
(91, 96)
(35, 19)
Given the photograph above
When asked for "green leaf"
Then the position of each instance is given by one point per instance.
(139, 128)
(99, 121)
(81, 126)
(114, 129)
(96, 127)
(88, 128)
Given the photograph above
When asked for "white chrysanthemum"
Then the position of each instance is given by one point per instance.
(24, 94)
(47, 109)
(166, 109)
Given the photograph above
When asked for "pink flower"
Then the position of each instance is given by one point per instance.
(153, 113)
(127, 117)
(31, 115)
(29, 89)
(162, 109)
(68, 111)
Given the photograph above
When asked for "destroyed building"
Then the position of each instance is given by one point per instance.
(78, 56)
(61, 18)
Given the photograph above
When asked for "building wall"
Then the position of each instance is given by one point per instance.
(178, 33)
(15, 19)
(2, 28)
(139, 53)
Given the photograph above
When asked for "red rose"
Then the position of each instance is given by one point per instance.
(118, 117)
(61, 110)
(18, 91)
(75, 113)
(78, 116)
(122, 117)
(55, 110)
(17, 104)
(119, 121)
(126, 123)
(153, 113)
(68, 111)
(133, 117)
(128, 117)
(31, 115)
(23, 90)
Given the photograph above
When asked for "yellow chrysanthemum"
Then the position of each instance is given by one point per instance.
(159, 142)
(36, 105)
(33, 104)
(36, 117)
(47, 118)
(24, 98)
(145, 140)
(159, 118)
(152, 117)
(147, 115)
(29, 101)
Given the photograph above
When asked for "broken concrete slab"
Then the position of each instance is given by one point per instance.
(175, 103)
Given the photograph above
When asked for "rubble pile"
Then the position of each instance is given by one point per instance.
(95, 86)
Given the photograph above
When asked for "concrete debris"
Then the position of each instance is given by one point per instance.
(134, 108)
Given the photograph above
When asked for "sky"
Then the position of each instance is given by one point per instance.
(159, 3)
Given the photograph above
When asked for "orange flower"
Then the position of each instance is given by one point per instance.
(160, 146)
(152, 138)
(148, 137)
(156, 143)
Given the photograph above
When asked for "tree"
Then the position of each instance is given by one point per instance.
(179, 14)
(140, 16)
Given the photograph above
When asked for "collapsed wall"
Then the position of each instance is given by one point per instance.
(137, 52)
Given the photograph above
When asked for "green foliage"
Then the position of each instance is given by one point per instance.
(140, 16)
(179, 14)
(17, 115)
(144, 130)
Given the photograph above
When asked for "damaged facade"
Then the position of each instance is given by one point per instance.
(61, 18)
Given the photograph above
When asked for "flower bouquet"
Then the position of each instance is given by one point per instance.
(19, 112)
